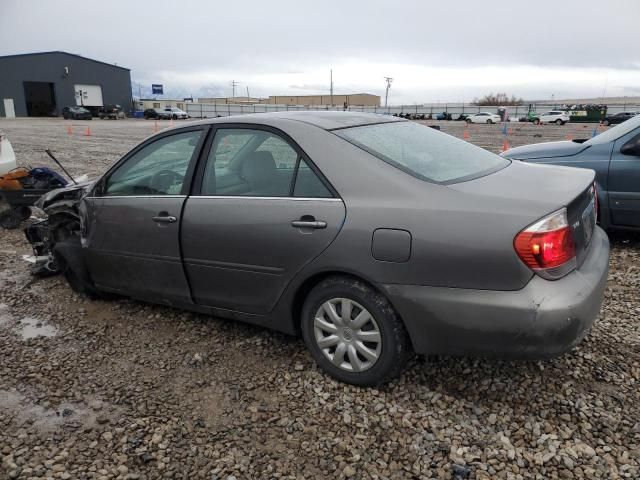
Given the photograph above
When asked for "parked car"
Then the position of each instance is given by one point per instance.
(7, 156)
(111, 112)
(176, 113)
(76, 113)
(554, 116)
(484, 117)
(615, 157)
(156, 113)
(446, 248)
(618, 118)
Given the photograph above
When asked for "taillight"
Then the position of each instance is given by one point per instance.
(547, 246)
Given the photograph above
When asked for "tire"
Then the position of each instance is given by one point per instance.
(606, 123)
(468, 120)
(489, 122)
(536, 121)
(10, 219)
(386, 353)
(559, 122)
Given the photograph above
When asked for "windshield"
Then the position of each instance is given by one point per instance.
(615, 132)
(424, 152)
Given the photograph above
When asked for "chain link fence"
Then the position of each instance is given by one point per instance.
(209, 110)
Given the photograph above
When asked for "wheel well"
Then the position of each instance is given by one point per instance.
(311, 282)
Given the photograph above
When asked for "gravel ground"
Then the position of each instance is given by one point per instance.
(124, 390)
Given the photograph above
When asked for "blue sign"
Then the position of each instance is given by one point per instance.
(156, 89)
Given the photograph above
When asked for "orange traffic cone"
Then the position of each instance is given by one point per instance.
(69, 130)
(510, 131)
(505, 145)
(465, 135)
(88, 132)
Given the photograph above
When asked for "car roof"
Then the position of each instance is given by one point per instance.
(327, 120)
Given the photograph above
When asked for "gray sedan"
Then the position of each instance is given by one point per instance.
(373, 237)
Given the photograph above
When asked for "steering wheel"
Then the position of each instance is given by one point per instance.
(163, 180)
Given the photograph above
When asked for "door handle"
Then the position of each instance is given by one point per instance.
(164, 219)
(317, 224)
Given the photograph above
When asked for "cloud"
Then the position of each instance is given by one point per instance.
(277, 46)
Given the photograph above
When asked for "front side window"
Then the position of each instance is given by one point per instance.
(423, 152)
(158, 168)
(257, 163)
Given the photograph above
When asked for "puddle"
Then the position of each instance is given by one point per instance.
(66, 415)
(32, 328)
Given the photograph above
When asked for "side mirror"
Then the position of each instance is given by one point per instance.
(632, 147)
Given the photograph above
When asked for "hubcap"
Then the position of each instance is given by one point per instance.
(347, 334)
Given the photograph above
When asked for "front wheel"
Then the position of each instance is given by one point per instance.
(353, 333)
(468, 120)
(536, 121)
(489, 122)
(559, 122)
(606, 123)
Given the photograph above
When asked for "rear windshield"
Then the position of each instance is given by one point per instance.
(424, 152)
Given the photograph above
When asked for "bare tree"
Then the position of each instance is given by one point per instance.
(497, 99)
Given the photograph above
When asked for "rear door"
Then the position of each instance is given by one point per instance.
(624, 183)
(260, 211)
(133, 219)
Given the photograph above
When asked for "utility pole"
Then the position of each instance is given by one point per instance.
(234, 84)
(386, 95)
(248, 93)
(331, 85)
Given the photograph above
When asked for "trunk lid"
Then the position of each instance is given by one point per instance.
(538, 190)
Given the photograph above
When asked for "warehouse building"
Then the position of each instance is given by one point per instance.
(353, 99)
(42, 84)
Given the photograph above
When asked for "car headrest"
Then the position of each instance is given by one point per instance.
(259, 168)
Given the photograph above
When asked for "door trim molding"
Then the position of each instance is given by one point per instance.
(242, 197)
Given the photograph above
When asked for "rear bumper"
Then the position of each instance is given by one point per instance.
(544, 319)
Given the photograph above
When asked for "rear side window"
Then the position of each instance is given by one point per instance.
(424, 152)
(258, 163)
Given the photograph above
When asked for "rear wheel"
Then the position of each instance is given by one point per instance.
(606, 123)
(468, 120)
(536, 121)
(559, 122)
(353, 333)
(489, 121)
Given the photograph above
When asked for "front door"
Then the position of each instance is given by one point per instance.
(133, 220)
(262, 212)
(624, 183)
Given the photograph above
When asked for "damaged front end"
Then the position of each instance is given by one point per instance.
(63, 224)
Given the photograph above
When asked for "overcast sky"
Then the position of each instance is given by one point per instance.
(435, 50)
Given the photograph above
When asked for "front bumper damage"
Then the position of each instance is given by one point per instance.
(63, 221)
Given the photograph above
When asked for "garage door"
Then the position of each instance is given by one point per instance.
(88, 95)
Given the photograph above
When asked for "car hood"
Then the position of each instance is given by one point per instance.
(72, 192)
(545, 150)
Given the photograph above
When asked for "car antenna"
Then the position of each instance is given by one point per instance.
(60, 165)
